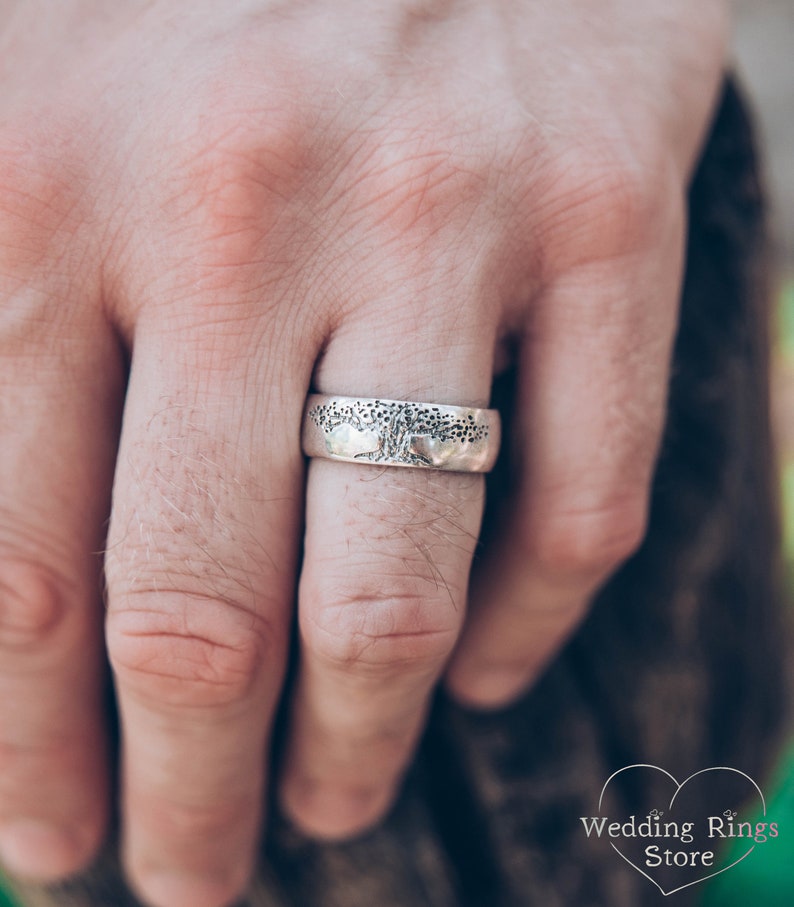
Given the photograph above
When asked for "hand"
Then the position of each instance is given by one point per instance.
(242, 201)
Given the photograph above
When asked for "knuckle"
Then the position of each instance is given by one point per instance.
(588, 542)
(195, 601)
(17, 759)
(40, 194)
(235, 175)
(607, 201)
(32, 606)
(380, 633)
(182, 821)
(27, 759)
(412, 180)
(188, 650)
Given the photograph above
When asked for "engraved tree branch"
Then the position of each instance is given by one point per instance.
(397, 425)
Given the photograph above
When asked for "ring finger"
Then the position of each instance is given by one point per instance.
(383, 588)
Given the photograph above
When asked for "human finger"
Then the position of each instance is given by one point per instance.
(593, 384)
(386, 564)
(61, 381)
(204, 530)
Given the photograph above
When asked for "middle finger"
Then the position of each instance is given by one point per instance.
(200, 576)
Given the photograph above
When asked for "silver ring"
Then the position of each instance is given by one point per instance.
(401, 433)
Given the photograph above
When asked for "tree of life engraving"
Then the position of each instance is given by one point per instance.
(397, 426)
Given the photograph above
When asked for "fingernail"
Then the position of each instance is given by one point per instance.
(181, 889)
(37, 850)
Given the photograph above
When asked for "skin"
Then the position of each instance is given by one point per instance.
(205, 211)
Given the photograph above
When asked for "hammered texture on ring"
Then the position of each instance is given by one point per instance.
(401, 433)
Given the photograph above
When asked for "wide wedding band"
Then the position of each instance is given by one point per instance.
(401, 433)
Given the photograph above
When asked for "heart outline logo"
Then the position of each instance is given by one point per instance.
(679, 787)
